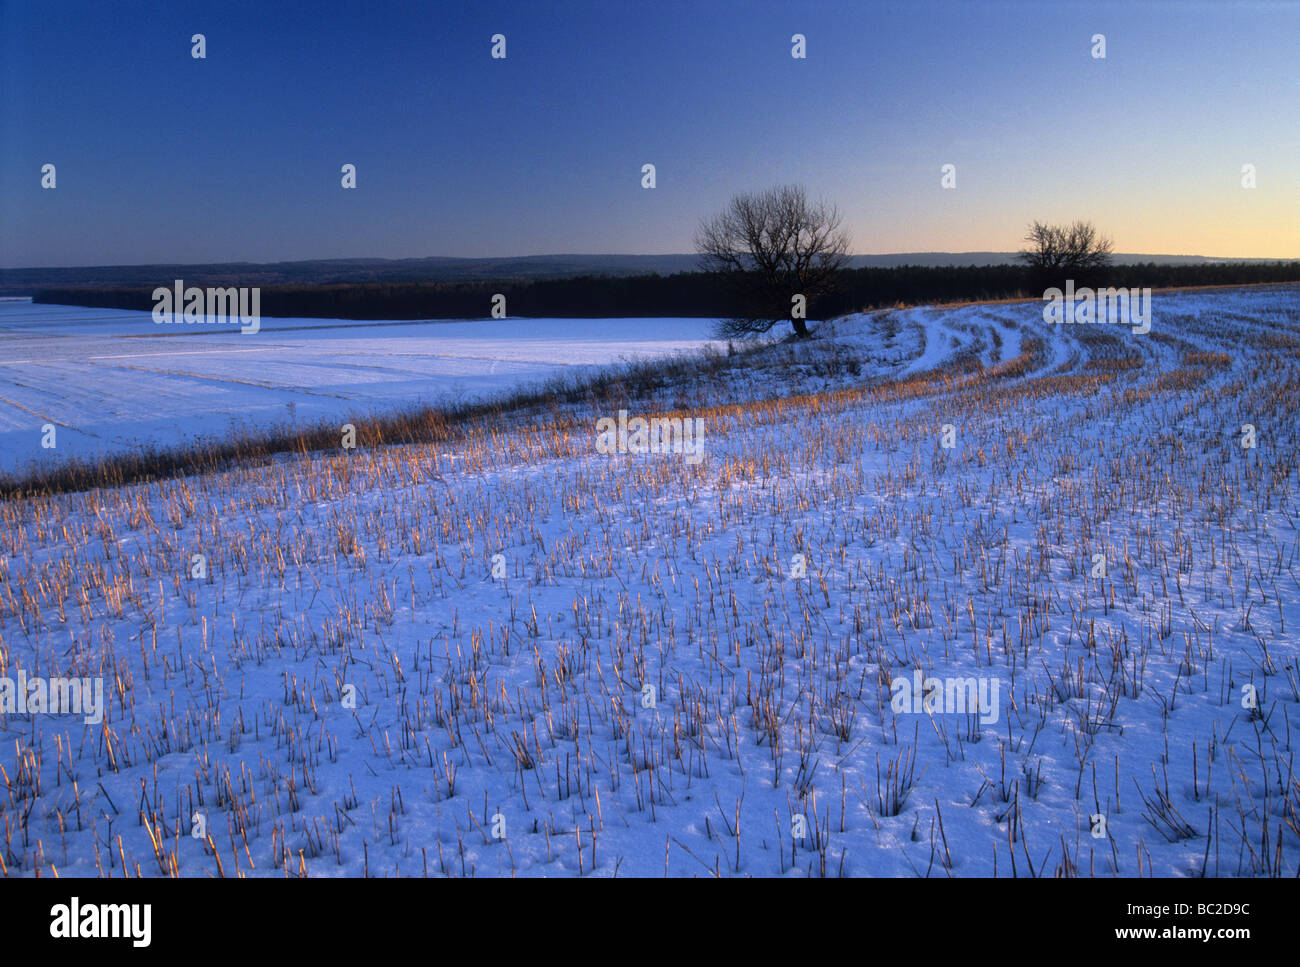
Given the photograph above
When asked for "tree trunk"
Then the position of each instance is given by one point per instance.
(800, 328)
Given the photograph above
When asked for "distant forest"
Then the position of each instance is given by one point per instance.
(684, 294)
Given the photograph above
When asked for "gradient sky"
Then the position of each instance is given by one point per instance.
(164, 158)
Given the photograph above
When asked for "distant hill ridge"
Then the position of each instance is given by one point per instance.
(447, 269)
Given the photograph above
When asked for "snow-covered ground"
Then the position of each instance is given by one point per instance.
(112, 380)
(515, 654)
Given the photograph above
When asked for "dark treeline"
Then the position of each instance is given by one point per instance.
(685, 294)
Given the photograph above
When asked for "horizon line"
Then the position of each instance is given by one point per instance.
(546, 255)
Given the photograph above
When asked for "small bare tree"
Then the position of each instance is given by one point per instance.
(1060, 250)
(774, 245)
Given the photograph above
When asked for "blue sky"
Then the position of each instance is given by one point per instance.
(164, 158)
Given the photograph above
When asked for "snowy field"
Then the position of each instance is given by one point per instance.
(951, 593)
(111, 380)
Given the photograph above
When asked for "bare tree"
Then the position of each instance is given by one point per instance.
(1059, 250)
(774, 245)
